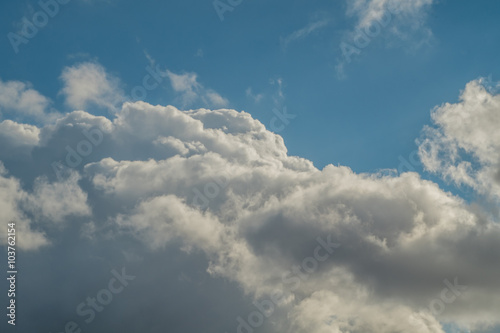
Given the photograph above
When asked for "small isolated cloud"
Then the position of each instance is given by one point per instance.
(279, 95)
(199, 53)
(191, 91)
(255, 97)
(88, 84)
(303, 32)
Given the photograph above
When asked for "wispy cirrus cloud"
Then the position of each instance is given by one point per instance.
(303, 33)
(367, 12)
(402, 19)
(254, 96)
(191, 91)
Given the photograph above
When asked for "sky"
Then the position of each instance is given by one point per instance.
(174, 165)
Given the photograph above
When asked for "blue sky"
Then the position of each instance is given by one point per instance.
(379, 121)
(363, 110)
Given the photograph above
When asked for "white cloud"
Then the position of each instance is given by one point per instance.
(368, 12)
(11, 195)
(19, 135)
(464, 144)
(49, 203)
(59, 200)
(260, 223)
(191, 91)
(184, 148)
(279, 95)
(255, 97)
(88, 84)
(219, 183)
(20, 101)
(303, 32)
(403, 19)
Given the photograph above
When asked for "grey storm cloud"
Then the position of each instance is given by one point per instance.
(209, 212)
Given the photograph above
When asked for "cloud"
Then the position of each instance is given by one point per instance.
(367, 12)
(48, 203)
(279, 95)
(11, 195)
(20, 101)
(88, 84)
(303, 32)
(18, 134)
(220, 189)
(56, 201)
(255, 97)
(199, 53)
(191, 91)
(402, 19)
(463, 145)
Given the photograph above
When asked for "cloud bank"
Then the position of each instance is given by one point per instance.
(218, 189)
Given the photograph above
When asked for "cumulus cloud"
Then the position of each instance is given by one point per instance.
(57, 201)
(463, 144)
(217, 183)
(88, 84)
(18, 100)
(11, 195)
(47, 203)
(18, 135)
